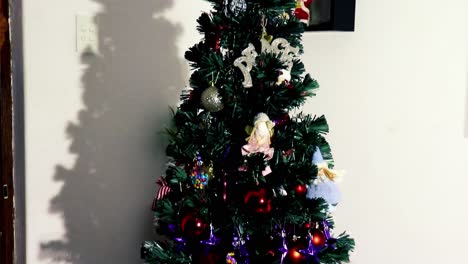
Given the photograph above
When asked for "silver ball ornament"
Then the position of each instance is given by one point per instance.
(211, 100)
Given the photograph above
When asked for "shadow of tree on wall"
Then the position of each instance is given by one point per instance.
(106, 196)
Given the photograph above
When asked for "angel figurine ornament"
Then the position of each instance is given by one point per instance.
(260, 139)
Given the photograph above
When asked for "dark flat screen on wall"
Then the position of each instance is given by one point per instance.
(326, 15)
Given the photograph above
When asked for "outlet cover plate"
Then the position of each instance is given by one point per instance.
(87, 40)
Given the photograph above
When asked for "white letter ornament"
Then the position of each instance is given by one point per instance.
(245, 64)
(281, 46)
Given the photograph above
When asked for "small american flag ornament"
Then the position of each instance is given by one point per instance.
(163, 190)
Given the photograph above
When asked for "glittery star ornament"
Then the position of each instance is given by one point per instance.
(212, 240)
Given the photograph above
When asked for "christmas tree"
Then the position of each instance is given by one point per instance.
(247, 181)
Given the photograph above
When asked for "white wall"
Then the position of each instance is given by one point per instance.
(394, 93)
(93, 150)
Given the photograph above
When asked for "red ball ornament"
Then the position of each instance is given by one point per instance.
(198, 223)
(318, 237)
(210, 257)
(294, 256)
(301, 189)
(192, 226)
(282, 119)
(258, 200)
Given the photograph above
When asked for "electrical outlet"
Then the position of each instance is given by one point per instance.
(87, 40)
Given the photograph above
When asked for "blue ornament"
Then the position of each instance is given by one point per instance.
(212, 240)
(284, 247)
(240, 247)
(312, 251)
(317, 156)
(323, 188)
(330, 241)
(327, 190)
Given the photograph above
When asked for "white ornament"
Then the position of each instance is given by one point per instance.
(281, 46)
(245, 64)
(282, 191)
(284, 76)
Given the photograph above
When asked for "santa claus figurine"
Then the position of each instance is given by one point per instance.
(302, 11)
